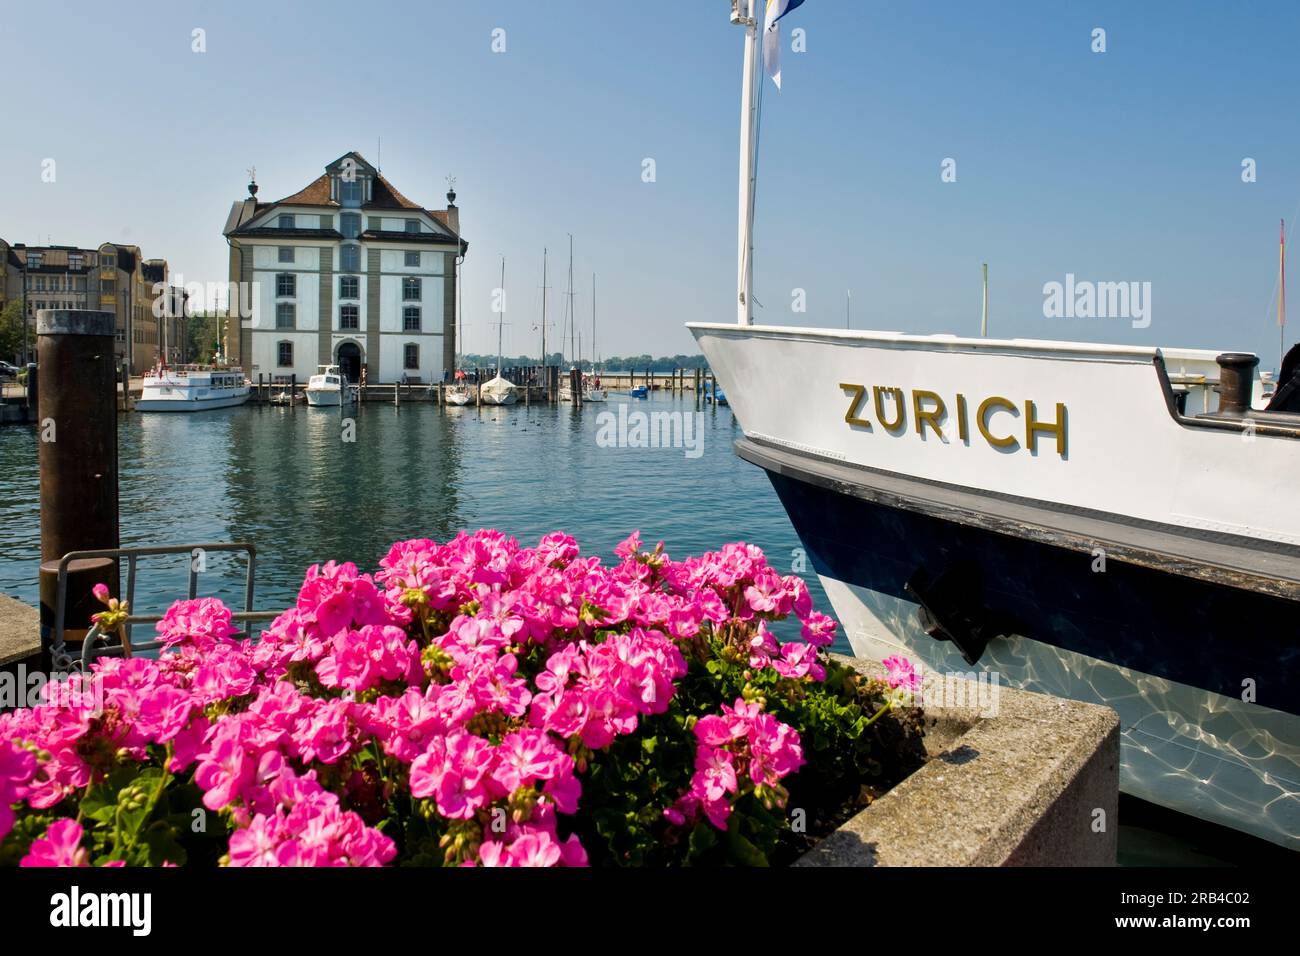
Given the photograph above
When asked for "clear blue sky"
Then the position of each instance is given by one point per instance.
(1117, 166)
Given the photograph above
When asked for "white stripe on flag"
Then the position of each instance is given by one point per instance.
(776, 9)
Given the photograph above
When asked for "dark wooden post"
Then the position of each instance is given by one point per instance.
(77, 452)
(33, 390)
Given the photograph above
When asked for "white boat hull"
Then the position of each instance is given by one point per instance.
(1195, 751)
(326, 398)
(190, 404)
(1137, 557)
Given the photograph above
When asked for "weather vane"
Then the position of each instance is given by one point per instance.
(252, 174)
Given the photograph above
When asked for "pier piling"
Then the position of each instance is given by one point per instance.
(77, 423)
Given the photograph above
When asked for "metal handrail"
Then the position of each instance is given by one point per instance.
(89, 650)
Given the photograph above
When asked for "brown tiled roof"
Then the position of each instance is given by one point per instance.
(316, 194)
(384, 196)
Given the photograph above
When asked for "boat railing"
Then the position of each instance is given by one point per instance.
(95, 644)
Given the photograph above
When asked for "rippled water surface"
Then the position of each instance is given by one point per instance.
(285, 480)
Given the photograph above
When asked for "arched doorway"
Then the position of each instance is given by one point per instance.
(349, 361)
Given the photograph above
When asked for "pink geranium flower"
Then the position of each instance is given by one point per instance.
(61, 846)
(901, 673)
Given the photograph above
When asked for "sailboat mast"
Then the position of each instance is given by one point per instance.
(743, 14)
(593, 322)
(1281, 300)
(570, 317)
(543, 311)
(501, 321)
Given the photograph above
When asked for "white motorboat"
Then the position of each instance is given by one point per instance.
(328, 388)
(1109, 523)
(192, 388)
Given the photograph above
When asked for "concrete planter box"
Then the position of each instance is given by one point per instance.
(1021, 786)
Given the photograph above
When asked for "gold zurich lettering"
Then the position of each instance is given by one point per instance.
(897, 423)
(931, 416)
(859, 393)
(1033, 426)
(962, 431)
(981, 420)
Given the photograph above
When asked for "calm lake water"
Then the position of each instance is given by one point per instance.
(285, 480)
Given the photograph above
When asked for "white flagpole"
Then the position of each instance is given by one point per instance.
(984, 321)
(743, 13)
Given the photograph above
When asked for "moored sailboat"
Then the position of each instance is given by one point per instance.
(499, 390)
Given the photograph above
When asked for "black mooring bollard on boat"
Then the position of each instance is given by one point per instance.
(77, 431)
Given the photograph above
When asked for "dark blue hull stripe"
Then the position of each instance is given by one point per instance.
(1204, 634)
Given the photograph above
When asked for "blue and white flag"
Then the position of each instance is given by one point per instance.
(776, 9)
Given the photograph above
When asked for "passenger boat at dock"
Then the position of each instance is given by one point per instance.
(328, 388)
(1110, 523)
(191, 388)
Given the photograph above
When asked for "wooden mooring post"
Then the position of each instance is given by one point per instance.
(77, 425)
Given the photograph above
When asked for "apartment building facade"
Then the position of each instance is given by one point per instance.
(111, 277)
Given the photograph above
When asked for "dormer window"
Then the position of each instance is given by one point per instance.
(286, 221)
(33, 260)
(351, 192)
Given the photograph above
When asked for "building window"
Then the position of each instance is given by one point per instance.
(349, 287)
(350, 225)
(411, 318)
(410, 290)
(286, 221)
(413, 259)
(351, 191)
(284, 354)
(286, 285)
(286, 253)
(107, 285)
(108, 261)
(75, 261)
(33, 260)
(411, 356)
(350, 258)
(349, 317)
(412, 225)
(285, 314)
(39, 284)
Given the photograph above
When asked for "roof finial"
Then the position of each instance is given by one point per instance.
(252, 181)
(451, 191)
